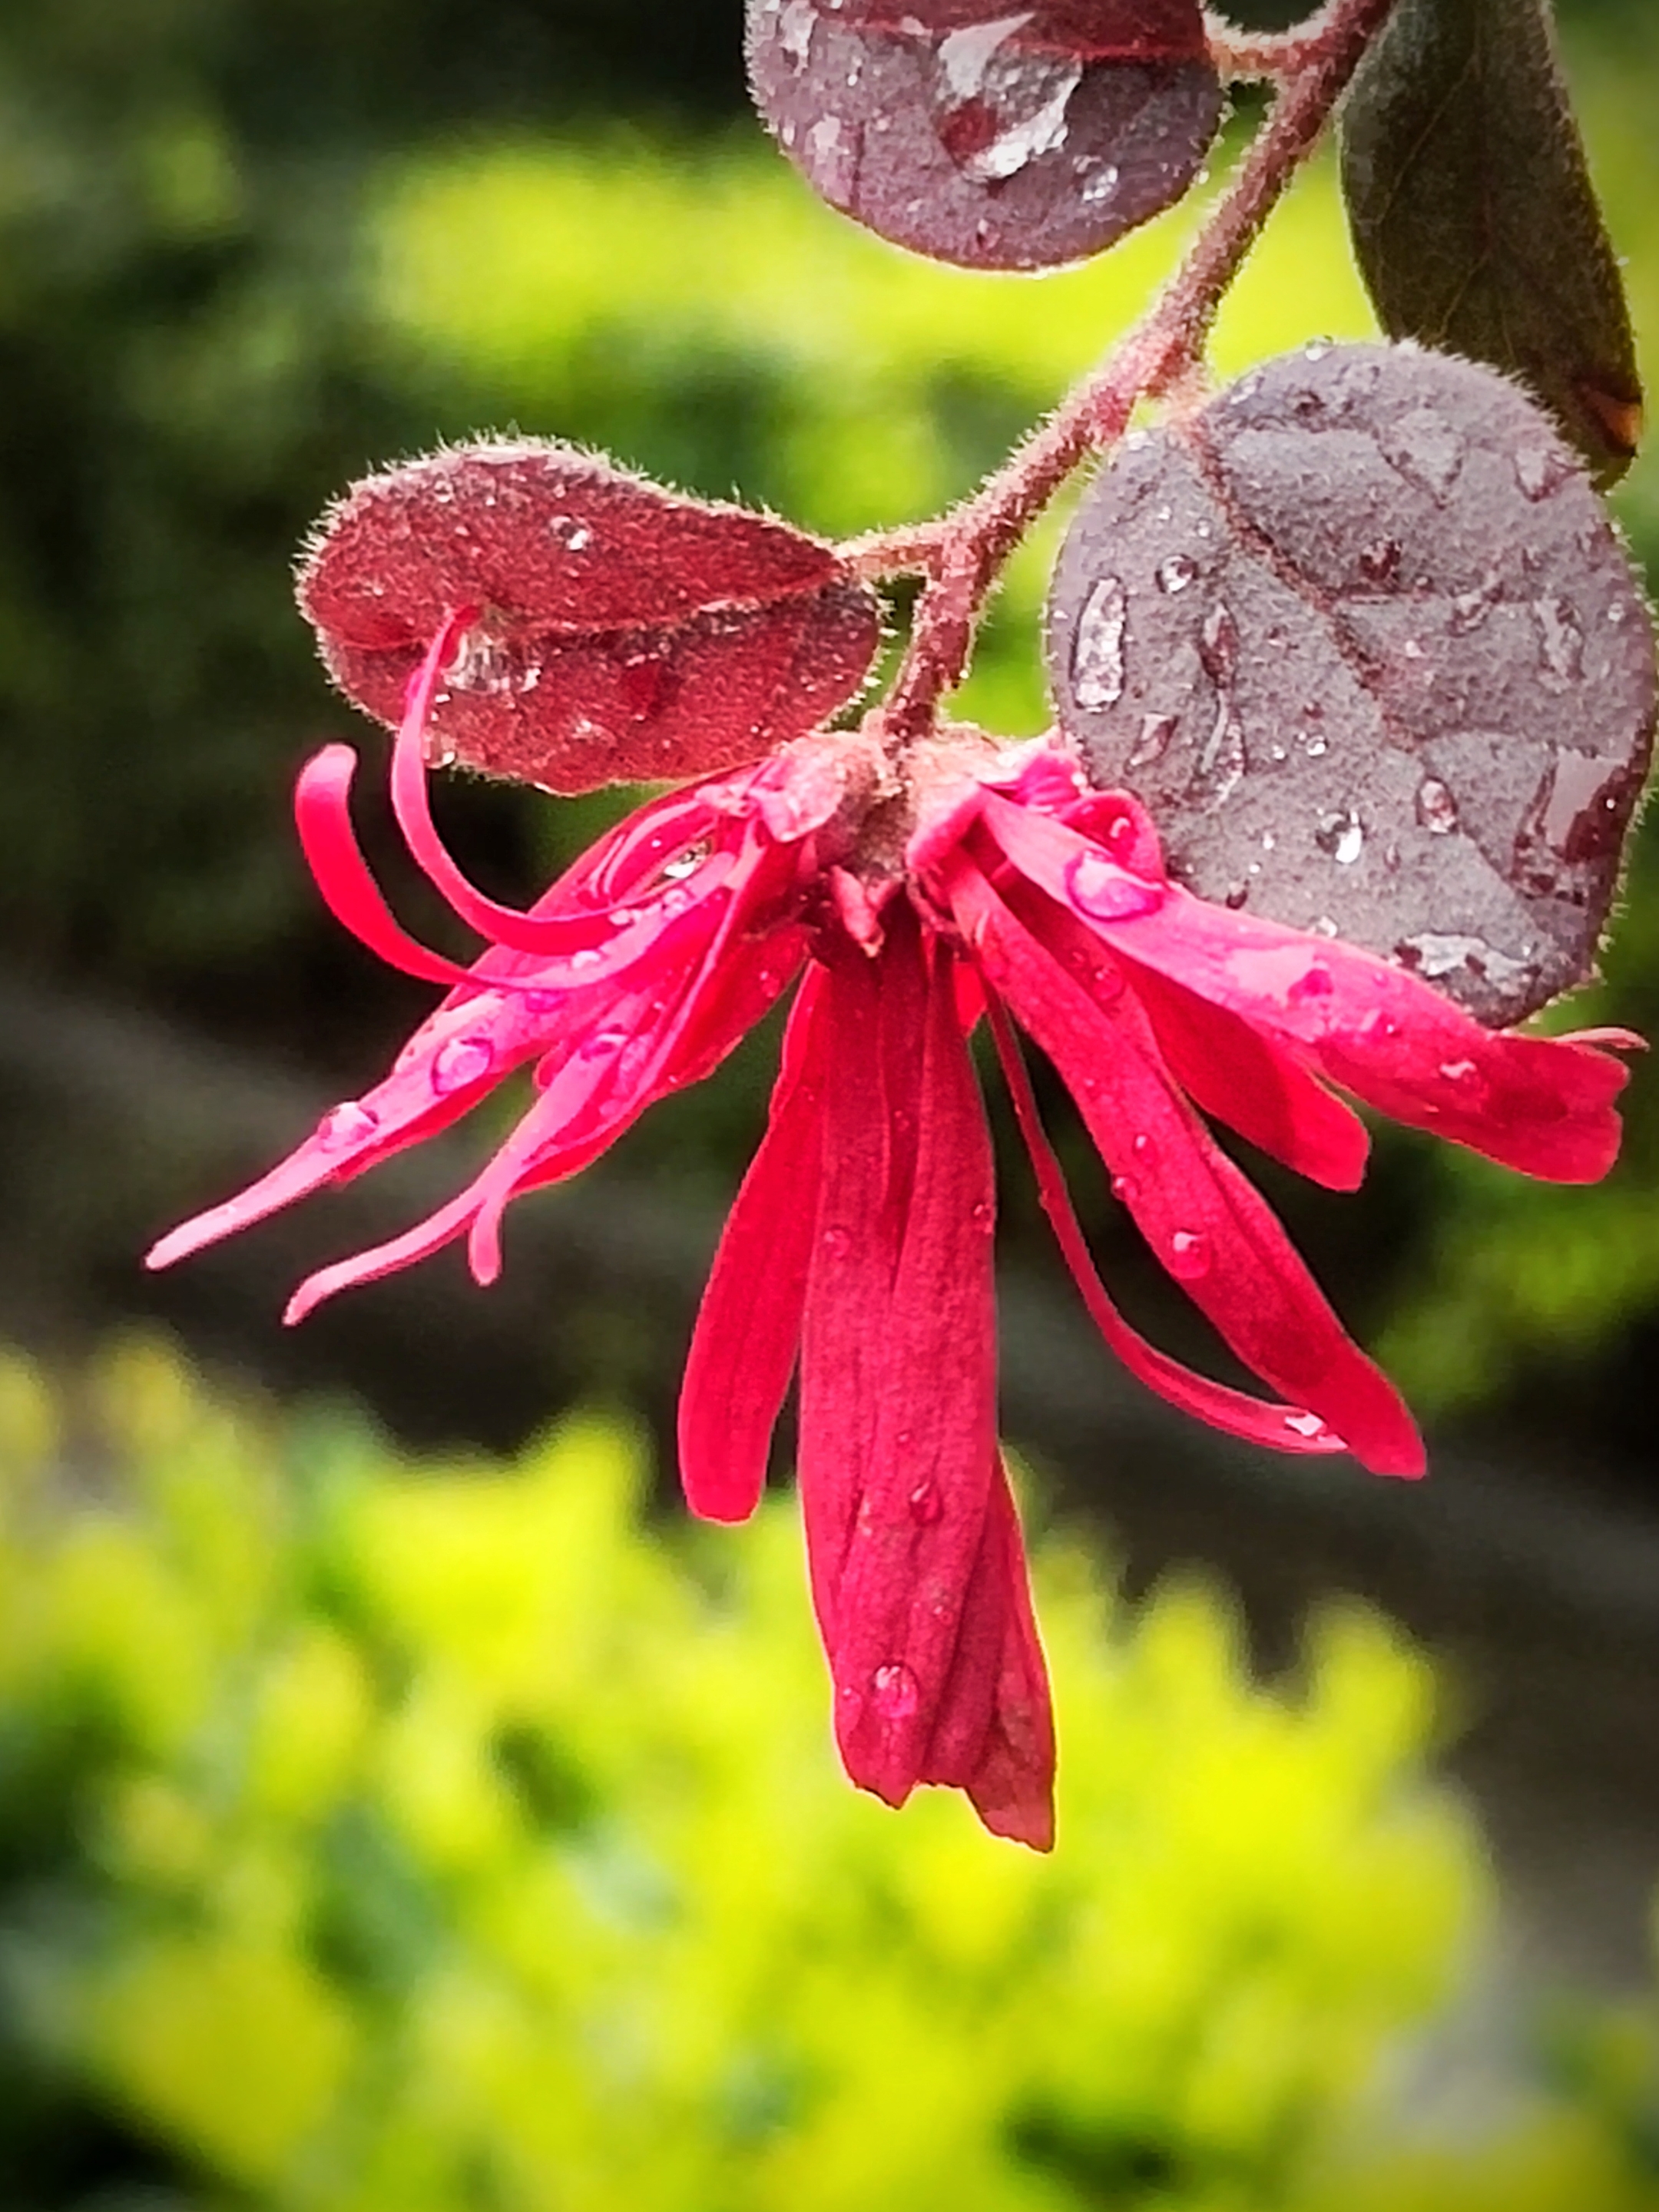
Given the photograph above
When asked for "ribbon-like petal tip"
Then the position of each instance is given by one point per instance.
(1029, 1820)
(176, 1245)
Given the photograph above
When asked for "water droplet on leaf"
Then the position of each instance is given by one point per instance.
(1098, 649)
(1436, 810)
(1155, 732)
(1342, 835)
(1561, 641)
(1175, 575)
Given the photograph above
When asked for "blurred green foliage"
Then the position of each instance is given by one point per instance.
(249, 249)
(377, 1838)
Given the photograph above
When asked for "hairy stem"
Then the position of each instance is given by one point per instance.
(962, 553)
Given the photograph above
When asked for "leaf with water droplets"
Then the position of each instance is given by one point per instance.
(1475, 223)
(984, 135)
(623, 632)
(1406, 690)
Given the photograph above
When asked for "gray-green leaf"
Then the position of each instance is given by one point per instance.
(1474, 220)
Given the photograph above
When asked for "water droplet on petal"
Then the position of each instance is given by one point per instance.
(604, 1044)
(1305, 1424)
(1466, 1080)
(926, 1507)
(462, 1060)
(1125, 1189)
(1314, 983)
(983, 1215)
(1189, 1255)
(897, 1694)
(345, 1125)
(837, 1242)
(1145, 1151)
(1105, 892)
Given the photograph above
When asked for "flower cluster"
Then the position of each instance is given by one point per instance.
(910, 898)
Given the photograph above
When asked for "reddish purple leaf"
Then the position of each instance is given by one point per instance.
(624, 633)
(1086, 30)
(989, 137)
(1361, 636)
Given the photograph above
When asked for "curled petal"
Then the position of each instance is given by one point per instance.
(538, 933)
(322, 814)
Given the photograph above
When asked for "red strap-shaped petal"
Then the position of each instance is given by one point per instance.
(1280, 1428)
(898, 1451)
(1010, 1781)
(419, 1243)
(322, 814)
(1205, 1223)
(1542, 1104)
(748, 1329)
(1248, 1077)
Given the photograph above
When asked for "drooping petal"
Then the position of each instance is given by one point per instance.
(898, 1466)
(1542, 1104)
(1205, 1223)
(748, 1328)
(1254, 1082)
(1280, 1428)
(1011, 1782)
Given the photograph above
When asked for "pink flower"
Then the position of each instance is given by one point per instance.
(967, 881)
